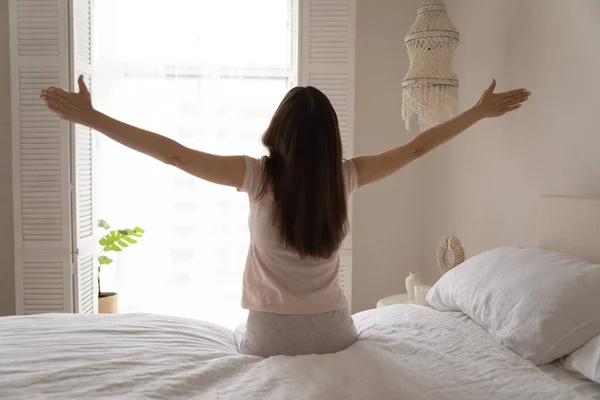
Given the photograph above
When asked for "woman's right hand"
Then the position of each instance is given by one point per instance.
(73, 107)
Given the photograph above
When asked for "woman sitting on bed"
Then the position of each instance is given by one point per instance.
(298, 207)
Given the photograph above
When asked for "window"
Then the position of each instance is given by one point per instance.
(208, 74)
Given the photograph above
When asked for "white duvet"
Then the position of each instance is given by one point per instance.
(404, 352)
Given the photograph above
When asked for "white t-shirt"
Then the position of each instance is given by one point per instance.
(277, 279)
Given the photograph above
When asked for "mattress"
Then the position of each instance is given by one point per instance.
(404, 352)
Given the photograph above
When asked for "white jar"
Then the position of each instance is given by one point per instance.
(413, 279)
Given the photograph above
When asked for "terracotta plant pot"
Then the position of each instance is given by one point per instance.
(108, 303)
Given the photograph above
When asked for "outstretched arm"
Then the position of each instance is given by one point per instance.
(77, 108)
(376, 167)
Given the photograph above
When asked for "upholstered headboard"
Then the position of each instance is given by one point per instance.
(570, 225)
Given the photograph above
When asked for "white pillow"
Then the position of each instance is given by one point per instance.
(585, 361)
(542, 305)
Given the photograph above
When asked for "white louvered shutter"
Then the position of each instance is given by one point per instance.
(43, 183)
(86, 271)
(326, 61)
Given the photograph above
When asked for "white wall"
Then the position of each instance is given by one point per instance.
(484, 185)
(7, 276)
(387, 231)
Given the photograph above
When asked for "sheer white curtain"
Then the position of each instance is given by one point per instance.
(208, 73)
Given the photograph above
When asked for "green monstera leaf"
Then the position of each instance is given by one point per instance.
(103, 224)
(118, 239)
(105, 260)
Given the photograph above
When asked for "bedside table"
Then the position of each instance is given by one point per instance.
(395, 299)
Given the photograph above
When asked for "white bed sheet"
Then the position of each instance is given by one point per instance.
(404, 352)
(579, 384)
(576, 382)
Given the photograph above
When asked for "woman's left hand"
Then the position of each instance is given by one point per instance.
(492, 104)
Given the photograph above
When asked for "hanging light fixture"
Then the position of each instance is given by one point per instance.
(430, 88)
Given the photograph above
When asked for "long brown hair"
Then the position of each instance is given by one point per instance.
(304, 172)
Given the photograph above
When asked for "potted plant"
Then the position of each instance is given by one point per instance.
(115, 240)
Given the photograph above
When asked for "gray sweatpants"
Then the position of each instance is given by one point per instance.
(268, 334)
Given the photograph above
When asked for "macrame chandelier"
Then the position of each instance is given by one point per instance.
(430, 88)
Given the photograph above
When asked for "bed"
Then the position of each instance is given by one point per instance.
(403, 352)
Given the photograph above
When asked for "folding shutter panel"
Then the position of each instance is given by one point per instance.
(40, 49)
(39, 58)
(86, 271)
(326, 61)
